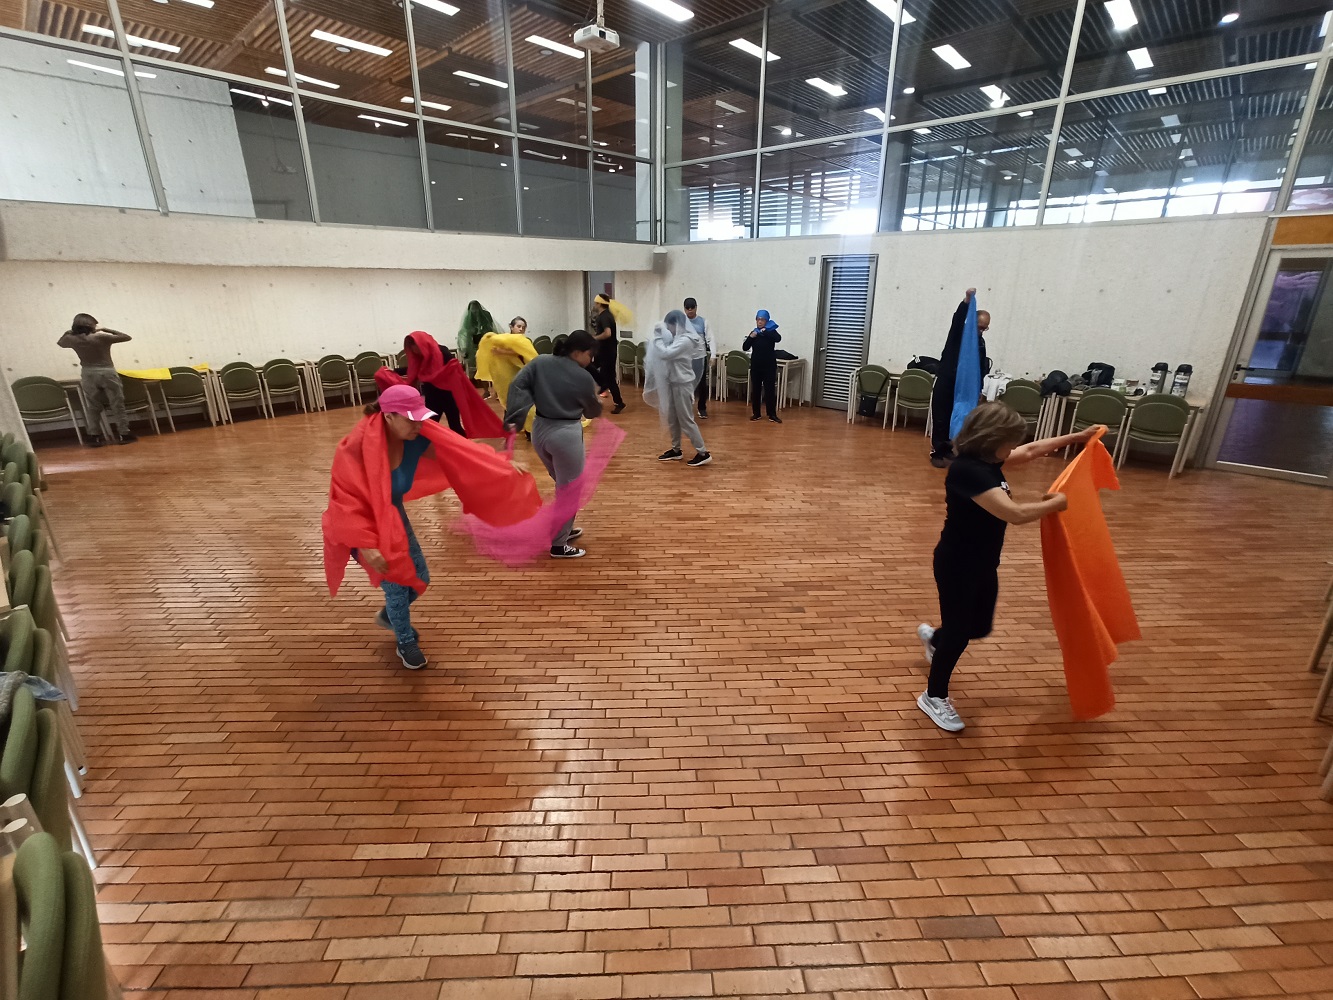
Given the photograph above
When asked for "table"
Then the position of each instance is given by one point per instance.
(1056, 408)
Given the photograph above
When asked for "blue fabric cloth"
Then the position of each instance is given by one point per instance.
(967, 383)
(762, 314)
(398, 599)
(401, 478)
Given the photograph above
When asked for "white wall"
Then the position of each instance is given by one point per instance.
(1059, 297)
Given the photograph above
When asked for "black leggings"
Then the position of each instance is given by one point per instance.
(967, 612)
(604, 371)
(764, 385)
(941, 412)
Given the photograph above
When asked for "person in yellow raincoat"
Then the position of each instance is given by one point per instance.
(500, 356)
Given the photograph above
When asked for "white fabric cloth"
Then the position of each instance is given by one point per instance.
(994, 385)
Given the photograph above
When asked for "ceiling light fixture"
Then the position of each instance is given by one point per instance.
(832, 89)
(146, 43)
(1025, 114)
(109, 69)
(951, 56)
(274, 71)
(1073, 152)
(328, 36)
(745, 45)
(875, 113)
(893, 10)
(201, 3)
(1121, 13)
(921, 131)
(782, 130)
(437, 5)
(544, 156)
(1140, 58)
(382, 121)
(481, 79)
(427, 104)
(266, 98)
(1171, 121)
(563, 49)
(730, 108)
(998, 98)
(1157, 92)
(1231, 18)
(667, 8)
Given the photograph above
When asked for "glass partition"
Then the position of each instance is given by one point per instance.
(1313, 189)
(712, 92)
(462, 64)
(555, 196)
(710, 201)
(622, 199)
(356, 51)
(471, 180)
(550, 78)
(831, 187)
(622, 92)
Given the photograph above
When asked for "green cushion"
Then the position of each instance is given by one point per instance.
(914, 390)
(20, 534)
(1158, 421)
(15, 498)
(17, 635)
(20, 754)
(44, 657)
(50, 790)
(9, 929)
(11, 473)
(44, 601)
(41, 547)
(39, 883)
(84, 975)
(22, 580)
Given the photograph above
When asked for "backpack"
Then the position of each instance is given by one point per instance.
(925, 364)
(1056, 384)
(867, 404)
(1099, 373)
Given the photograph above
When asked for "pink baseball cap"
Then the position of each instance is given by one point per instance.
(405, 400)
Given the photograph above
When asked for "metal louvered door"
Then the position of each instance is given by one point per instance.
(842, 341)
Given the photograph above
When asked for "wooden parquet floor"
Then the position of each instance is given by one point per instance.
(689, 765)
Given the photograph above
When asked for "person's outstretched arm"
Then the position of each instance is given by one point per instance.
(520, 399)
(954, 342)
(1025, 453)
(996, 501)
(114, 336)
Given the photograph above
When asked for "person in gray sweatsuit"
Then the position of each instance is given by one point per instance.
(101, 385)
(669, 381)
(561, 388)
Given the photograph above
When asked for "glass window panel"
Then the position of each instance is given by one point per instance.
(88, 22)
(622, 90)
(1313, 189)
(555, 190)
(225, 148)
(712, 92)
(710, 201)
(622, 194)
(1201, 148)
(828, 188)
(366, 164)
(356, 51)
(1140, 40)
(977, 174)
(238, 36)
(550, 83)
(67, 132)
(831, 74)
(965, 58)
(471, 180)
(470, 41)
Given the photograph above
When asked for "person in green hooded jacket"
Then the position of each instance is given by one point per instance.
(477, 322)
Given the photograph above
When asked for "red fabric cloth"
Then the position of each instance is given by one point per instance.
(427, 364)
(1090, 604)
(361, 514)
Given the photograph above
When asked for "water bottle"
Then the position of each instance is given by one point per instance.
(1157, 379)
(1182, 380)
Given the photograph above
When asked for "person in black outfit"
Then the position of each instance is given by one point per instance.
(608, 345)
(941, 404)
(978, 507)
(761, 343)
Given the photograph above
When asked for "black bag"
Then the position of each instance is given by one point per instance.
(1099, 373)
(1056, 384)
(866, 405)
(925, 364)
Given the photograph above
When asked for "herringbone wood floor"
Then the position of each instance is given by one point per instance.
(689, 765)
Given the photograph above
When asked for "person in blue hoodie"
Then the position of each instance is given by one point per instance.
(762, 343)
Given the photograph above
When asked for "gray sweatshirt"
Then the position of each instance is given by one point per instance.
(558, 386)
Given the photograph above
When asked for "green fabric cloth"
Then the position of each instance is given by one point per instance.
(477, 322)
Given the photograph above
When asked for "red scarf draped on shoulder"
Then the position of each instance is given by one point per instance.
(427, 364)
(361, 514)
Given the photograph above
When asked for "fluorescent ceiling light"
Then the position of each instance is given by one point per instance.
(832, 89)
(909, 90)
(892, 9)
(438, 5)
(1157, 92)
(1186, 153)
(728, 107)
(481, 79)
(201, 3)
(578, 104)
(748, 46)
(952, 56)
(274, 71)
(1231, 18)
(351, 43)
(667, 8)
(382, 121)
(875, 113)
(782, 129)
(998, 97)
(1309, 66)
(1087, 163)
(1073, 152)
(109, 69)
(921, 131)
(1025, 114)
(427, 104)
(146, 43)
(564, 50)
(1140, 58)
(266, 98)
(545, 156)
(1171, 121)
(1121, 13)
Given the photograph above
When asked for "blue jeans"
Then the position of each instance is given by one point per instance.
(398, 599)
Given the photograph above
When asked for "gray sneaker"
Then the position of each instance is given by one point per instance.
(927, 636)
(412, 656)
(941, 712)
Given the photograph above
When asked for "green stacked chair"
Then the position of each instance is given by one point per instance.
(627, 360)
(19, 534)
(1024, 397)
(364, 367)
(1100, 405)
(1159, 419)
(39, 884)
(543, 345)
(738, 373)
(46, 614)
(19, 757)
(335, 374)
(187, 388)
(26, 461)
(282, 379)
(22, 579)
(560, 339)
(241, 384)
(50, 789)
(43, 400)
(83, 974)
(138, 400)
(868, 380)
(915, 388)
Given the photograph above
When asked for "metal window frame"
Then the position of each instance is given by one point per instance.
(136, 106)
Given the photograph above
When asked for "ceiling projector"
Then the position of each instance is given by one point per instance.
(596, 38)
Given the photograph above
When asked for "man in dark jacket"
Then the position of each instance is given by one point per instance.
(941, 404)
(761, 343)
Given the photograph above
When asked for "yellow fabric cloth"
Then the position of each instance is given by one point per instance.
(500, 356)
(156, 374)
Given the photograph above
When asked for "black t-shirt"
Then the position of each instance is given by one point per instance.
(971, 533)
(605, 321)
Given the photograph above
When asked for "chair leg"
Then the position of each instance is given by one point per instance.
(1321, 643)
(74, 420)
(171, 422)
(1328, 759)
(81, 835)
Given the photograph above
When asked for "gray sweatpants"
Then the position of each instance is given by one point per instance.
(559, 444)
(680, 415)
(102, 390)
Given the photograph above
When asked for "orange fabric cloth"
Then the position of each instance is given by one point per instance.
(1090, 604)
(361, 514)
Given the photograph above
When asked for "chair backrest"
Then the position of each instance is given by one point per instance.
(333, 371)
(1026, 399)
(44, 611)
(50, 789)
(20, 753)
(83, 976)
(282, 376)
(543, 345)
(15, 498)
(400, 359)
(17, 641)
(43, 657)
(1026, 382)
(1100, 406)
(186, 385)
(914, 387)
(368, 354)
(625, 352)
(738, 365)
(39, 887)
(11, 474)
(1158, 418)
(38, 396)
(22, 580)
(641, 349)
(136, 393)
(367, 364)
(872, 380)
(41, 545)
(239, 377)
(20, 534)
(1179, 402)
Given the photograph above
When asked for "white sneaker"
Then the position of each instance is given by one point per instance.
(927, 636)
(941, 712)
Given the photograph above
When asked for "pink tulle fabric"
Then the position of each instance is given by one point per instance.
(518, 544)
